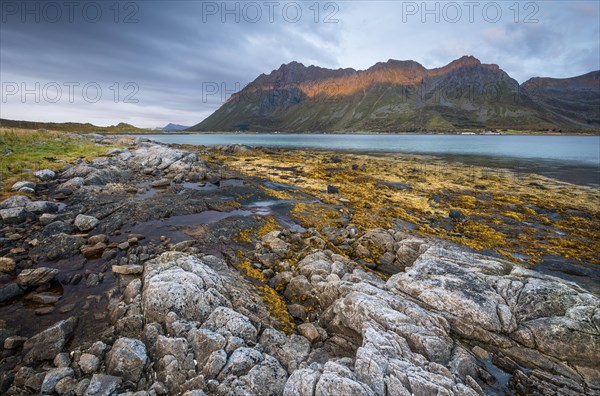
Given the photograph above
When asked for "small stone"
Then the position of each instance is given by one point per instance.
(10, 291)
(480, 352)
(457, 215)
(45, 174)
(66, 386)
(21, 184)
(123, 245)
(14, 342)
(332, 189)
(309, 331)
(45, 298)
(161, 183)
(102, 385)
(98, 348)
(94, 251)
(62, 360)
(85, 223)
(100, 238)
(7, 264)
(128, 269)
(127, 359)
(109, 254)
(41, 207)
(88, 363)
(44, 311)
(66, 308)
(92, 280)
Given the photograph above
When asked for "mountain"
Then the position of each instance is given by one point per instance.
(173, 127)
(397, 96)
(568, 100)
(71, 126)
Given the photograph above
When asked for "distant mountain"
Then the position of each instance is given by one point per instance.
(567, 100)
(174, 127)
(396, 96)
(71, 126)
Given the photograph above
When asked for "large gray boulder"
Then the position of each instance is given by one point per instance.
(536, 320)
(159, 157)
(177, 282)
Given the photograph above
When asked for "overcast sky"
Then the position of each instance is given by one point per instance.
(150, 62)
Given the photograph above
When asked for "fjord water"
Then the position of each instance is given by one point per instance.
(574, 159)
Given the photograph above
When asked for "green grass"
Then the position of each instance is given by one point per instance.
(22, 152)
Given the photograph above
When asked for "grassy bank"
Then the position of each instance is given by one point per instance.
(22, 152)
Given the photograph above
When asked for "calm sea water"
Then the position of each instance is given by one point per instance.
(574, 159)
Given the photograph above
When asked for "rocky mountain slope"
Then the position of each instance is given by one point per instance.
(135, 291)
(405, 96)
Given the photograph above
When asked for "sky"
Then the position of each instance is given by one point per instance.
(151, 62)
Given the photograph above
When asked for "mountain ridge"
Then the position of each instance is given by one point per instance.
(403, 95)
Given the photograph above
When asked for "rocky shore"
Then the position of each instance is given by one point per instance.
(157, 270)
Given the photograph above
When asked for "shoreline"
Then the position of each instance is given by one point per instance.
(228, 254)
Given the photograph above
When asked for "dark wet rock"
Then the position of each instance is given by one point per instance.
(56, 227)
(56, 247)
(332, 189)
(457, 215)
(37, 276)
(102, 385)
(127, 359)
(46, 344)
(10, 291)
(66, 386)
(53, 376)
(85, 223)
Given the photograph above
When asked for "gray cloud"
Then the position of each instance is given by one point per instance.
(175, 49)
